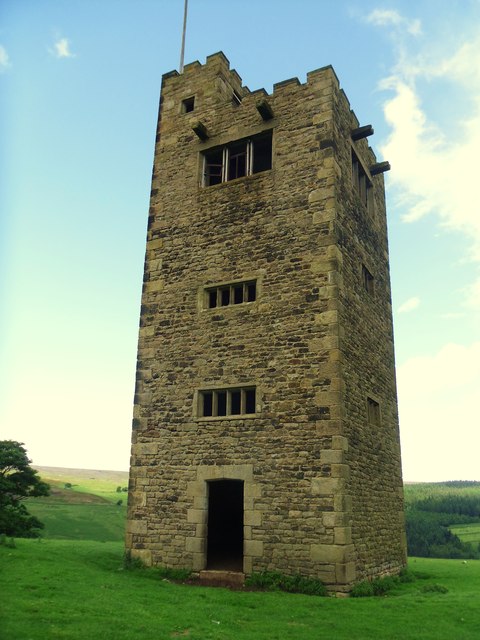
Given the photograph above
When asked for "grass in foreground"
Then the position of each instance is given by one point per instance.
(64, 589)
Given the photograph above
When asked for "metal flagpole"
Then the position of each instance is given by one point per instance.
(182, 52)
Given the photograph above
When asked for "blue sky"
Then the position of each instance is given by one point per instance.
(79, 89)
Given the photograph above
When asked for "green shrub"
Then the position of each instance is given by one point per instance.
(362, 590)
(274, 581)
(406, 575)
(266, 580)
(175, 575)
(434, 588)
(382, 586)
(5, 541)
(131, 564)
(379, 586)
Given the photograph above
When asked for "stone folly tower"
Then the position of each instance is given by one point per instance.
(265, 431)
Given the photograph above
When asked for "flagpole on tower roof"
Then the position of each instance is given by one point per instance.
(182, 52)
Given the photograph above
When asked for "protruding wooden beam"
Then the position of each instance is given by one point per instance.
(380, 167)
(264, 109)
(362, 132)
(201, 130)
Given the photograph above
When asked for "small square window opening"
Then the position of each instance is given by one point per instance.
(188, 104)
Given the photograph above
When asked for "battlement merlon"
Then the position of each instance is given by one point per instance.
(214, 81)
(219, 63)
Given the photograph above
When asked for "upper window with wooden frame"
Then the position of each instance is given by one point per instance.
(361, 182)
(237, 159)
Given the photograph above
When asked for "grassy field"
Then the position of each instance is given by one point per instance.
(59, 589)
(87, 510)
(72, 585)
(467, 532)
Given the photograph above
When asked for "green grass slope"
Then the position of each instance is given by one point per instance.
(60, 589)
(82, 504)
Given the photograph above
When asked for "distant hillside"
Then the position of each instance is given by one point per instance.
(84, 504)
(63, 474)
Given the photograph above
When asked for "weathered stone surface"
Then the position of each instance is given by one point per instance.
(321, 483)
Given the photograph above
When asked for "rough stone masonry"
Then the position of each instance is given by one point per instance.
(265, 431)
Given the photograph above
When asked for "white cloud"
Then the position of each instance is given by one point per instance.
(390, 17)
(409, 305)
(435, 161)
(438, 404)
(433, 173)
(62, 49)
(4, 59)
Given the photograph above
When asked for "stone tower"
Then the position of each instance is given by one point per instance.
(265, 431)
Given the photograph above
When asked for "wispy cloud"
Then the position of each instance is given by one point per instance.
(434, 151)
(62, 49)
(4, 59)
(409, 305)
(390, 17)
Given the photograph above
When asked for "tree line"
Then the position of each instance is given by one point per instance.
(428, 521)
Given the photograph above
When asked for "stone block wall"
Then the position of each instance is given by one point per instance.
(321, 484)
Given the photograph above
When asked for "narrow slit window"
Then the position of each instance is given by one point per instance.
(368, 280)
(221, 403)
(238, 294)
(236, 98)
(236, 402)
(373, 412)
(361, 182)
(251, 291)
(207, 403)
(225, 297)
(250, 401)
(262, 153)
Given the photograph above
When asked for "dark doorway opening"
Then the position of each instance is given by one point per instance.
(225, 525)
